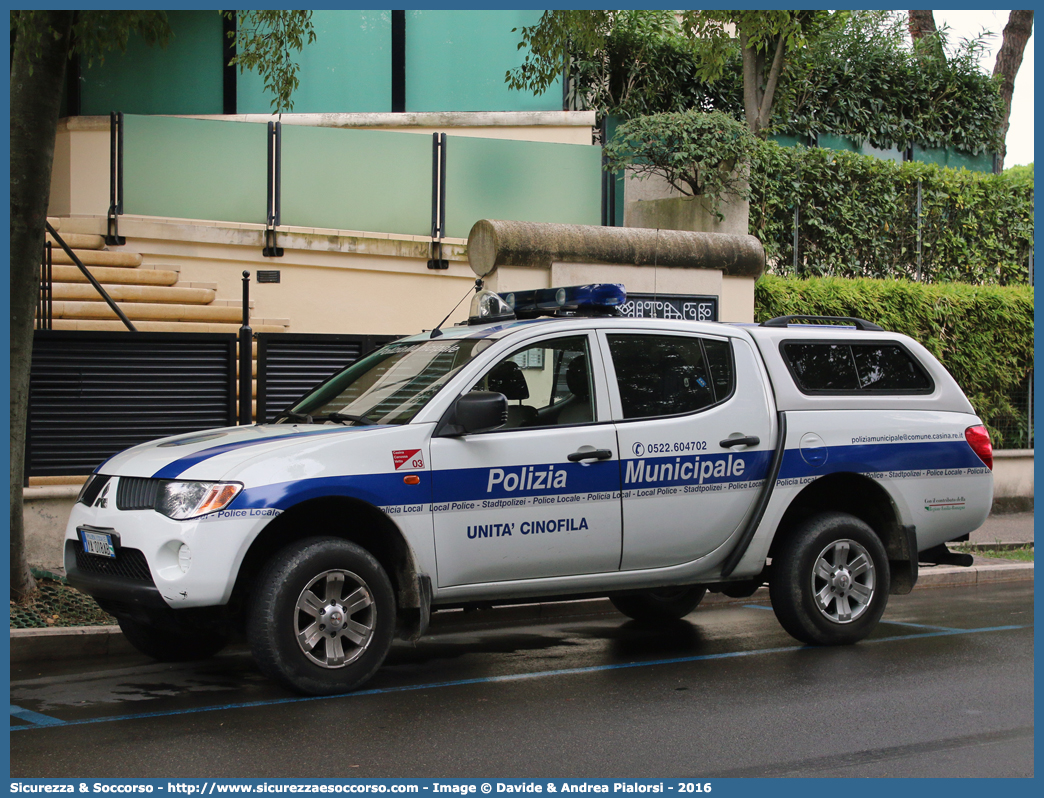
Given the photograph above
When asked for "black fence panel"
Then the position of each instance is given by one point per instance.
(93, 394)
(291, 364)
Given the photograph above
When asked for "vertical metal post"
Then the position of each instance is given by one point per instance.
(275, 171)
(438, 200)
(797, 221)
(112, 231)
(918, 275)
(48, 293)
(1029, 413)
(246, 345)
(435, 185)
(442, 185)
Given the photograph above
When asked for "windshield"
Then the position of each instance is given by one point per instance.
(390, 386)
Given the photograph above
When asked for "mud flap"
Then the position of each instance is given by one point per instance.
(902, 561)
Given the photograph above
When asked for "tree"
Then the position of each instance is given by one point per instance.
(923, 32)
(764, 38)
(42, 43)
(1009, 59)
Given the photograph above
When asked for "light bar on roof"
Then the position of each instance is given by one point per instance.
(594, 298)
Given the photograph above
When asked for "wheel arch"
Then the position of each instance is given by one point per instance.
(867, 500)
(345, 517)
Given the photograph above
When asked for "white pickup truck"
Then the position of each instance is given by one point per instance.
(525, 457)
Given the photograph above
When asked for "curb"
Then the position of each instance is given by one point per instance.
(81, 642)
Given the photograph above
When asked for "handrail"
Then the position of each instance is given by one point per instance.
(90, 277)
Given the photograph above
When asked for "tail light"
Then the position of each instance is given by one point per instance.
(979, 439)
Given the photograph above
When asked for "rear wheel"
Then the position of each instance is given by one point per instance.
(659, 606)
(323, 616)
(169, 644)
(830, 581)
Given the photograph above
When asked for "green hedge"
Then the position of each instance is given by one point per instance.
(858, 217)
(982, 334)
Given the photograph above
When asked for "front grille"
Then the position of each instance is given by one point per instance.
(128, 564)
(137, 493)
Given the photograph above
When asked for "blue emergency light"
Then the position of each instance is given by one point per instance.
(595, 299)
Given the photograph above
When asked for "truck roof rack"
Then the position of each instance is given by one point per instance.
(846, 321)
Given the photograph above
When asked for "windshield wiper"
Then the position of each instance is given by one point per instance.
(290, 415)
(343, 417)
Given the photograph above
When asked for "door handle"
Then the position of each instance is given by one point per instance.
(750, 440)
(590, 454)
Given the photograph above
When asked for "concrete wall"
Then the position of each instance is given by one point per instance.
(1013, 480)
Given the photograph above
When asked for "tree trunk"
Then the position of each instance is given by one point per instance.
(922, 25)
(1009, 59)
(37, 76)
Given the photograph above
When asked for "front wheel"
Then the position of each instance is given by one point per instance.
(323, 616)
(830, 581)
(660, 606)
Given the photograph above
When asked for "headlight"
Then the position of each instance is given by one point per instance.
(181, 500)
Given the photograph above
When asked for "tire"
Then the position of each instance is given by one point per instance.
(168, 644)
(660, 606)
(829, 583)
(302, 586)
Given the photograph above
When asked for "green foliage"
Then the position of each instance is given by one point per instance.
(698, 154)
(265, 41)
(849, 73)
(858, 217)
(982, 334)
(864, 81)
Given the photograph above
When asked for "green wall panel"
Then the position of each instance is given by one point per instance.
(456, 61)
(955, 159)
(356, 180)
(828, 141)
(347, 69)
(184, 78)
(195, 169)
(521, 180)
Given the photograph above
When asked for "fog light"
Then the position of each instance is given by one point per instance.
(184, 558)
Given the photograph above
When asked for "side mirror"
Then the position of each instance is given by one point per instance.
(478, 411)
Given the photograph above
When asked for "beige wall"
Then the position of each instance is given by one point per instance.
(1013, 473)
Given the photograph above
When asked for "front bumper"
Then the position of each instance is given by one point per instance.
(218, 543)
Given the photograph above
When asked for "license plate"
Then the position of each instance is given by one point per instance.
(98, 543)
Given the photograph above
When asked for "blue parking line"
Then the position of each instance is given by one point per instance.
(921, 625)
(758, 607)
(34, 718)
(517, 677)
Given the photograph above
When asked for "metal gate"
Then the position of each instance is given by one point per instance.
(93, 394)
(291, 364)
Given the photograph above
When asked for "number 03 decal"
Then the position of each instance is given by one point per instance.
(407, 459)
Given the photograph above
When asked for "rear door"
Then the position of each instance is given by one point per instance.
(695, 433)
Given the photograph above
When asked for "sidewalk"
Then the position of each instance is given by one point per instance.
(1005, 528)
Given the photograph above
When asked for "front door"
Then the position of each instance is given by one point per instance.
(540, 496)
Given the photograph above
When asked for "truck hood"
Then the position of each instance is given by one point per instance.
(210, 454)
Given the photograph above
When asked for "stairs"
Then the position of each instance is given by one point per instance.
(154, 299)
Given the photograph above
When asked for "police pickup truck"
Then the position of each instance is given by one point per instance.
(547, 449)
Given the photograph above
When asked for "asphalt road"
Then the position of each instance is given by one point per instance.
(943, 688)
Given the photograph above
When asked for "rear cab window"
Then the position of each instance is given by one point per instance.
(845, 367)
